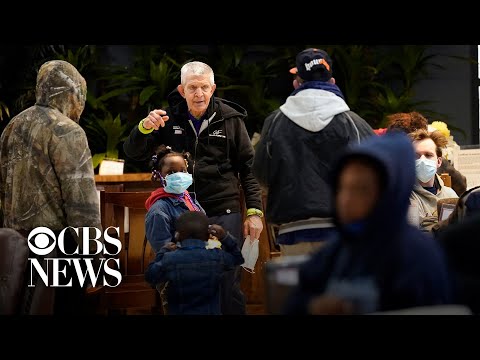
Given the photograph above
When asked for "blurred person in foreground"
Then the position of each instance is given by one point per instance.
(462, 250)
(377, 261)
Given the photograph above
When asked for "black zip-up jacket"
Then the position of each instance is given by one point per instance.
(295, 154)
(221, 155)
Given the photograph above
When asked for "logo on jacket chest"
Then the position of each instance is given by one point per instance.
(217, 133)
(177, 130)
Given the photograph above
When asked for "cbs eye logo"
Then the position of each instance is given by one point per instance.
(38, 241)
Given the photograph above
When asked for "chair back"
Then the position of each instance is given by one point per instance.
(443, 205)
(129, 212)
(447, 179)
(129, 215)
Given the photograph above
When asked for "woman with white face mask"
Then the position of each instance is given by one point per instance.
(429, 186)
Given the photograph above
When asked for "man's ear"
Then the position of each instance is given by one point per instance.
(439, 162)
(181, 90)
(214, 86)
(332, 80)
(296, 84)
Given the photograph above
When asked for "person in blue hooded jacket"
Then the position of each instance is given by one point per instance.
(376, 261)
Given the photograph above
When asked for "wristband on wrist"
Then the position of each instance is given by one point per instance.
(142, 129)
(253, 211)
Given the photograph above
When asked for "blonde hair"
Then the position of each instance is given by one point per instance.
(196, 68)
(436, 136)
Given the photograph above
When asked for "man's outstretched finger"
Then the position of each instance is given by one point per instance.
(153, 122)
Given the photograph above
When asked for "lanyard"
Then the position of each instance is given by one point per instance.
(189, 202)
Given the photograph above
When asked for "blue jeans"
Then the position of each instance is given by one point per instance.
(232, 300)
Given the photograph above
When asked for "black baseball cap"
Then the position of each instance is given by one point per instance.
(313, 64)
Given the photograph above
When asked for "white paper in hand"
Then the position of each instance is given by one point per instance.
(250, 254)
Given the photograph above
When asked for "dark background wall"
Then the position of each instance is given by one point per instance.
(448, 89)
(451, 89)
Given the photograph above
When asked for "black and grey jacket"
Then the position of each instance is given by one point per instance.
(221, 155)
(299, 144)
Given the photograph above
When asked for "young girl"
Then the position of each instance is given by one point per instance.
(171, 199)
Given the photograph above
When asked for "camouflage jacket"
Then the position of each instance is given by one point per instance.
(46, 171)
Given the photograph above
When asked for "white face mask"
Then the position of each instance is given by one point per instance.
(425, 169)
(213, 244)
(250, 254)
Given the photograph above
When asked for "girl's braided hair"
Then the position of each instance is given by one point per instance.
(158, 160)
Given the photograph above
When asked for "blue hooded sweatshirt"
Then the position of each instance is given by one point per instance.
(384, 264)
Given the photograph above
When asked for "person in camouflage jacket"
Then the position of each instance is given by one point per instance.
(46, 170)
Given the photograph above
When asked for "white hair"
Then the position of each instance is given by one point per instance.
(196, 68)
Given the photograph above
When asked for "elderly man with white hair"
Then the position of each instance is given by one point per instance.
(213, 131)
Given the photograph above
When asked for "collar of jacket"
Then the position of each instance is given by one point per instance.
(192, 243)
(176, 201)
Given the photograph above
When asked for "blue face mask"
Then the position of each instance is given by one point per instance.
(178, 182)
(425, 169)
